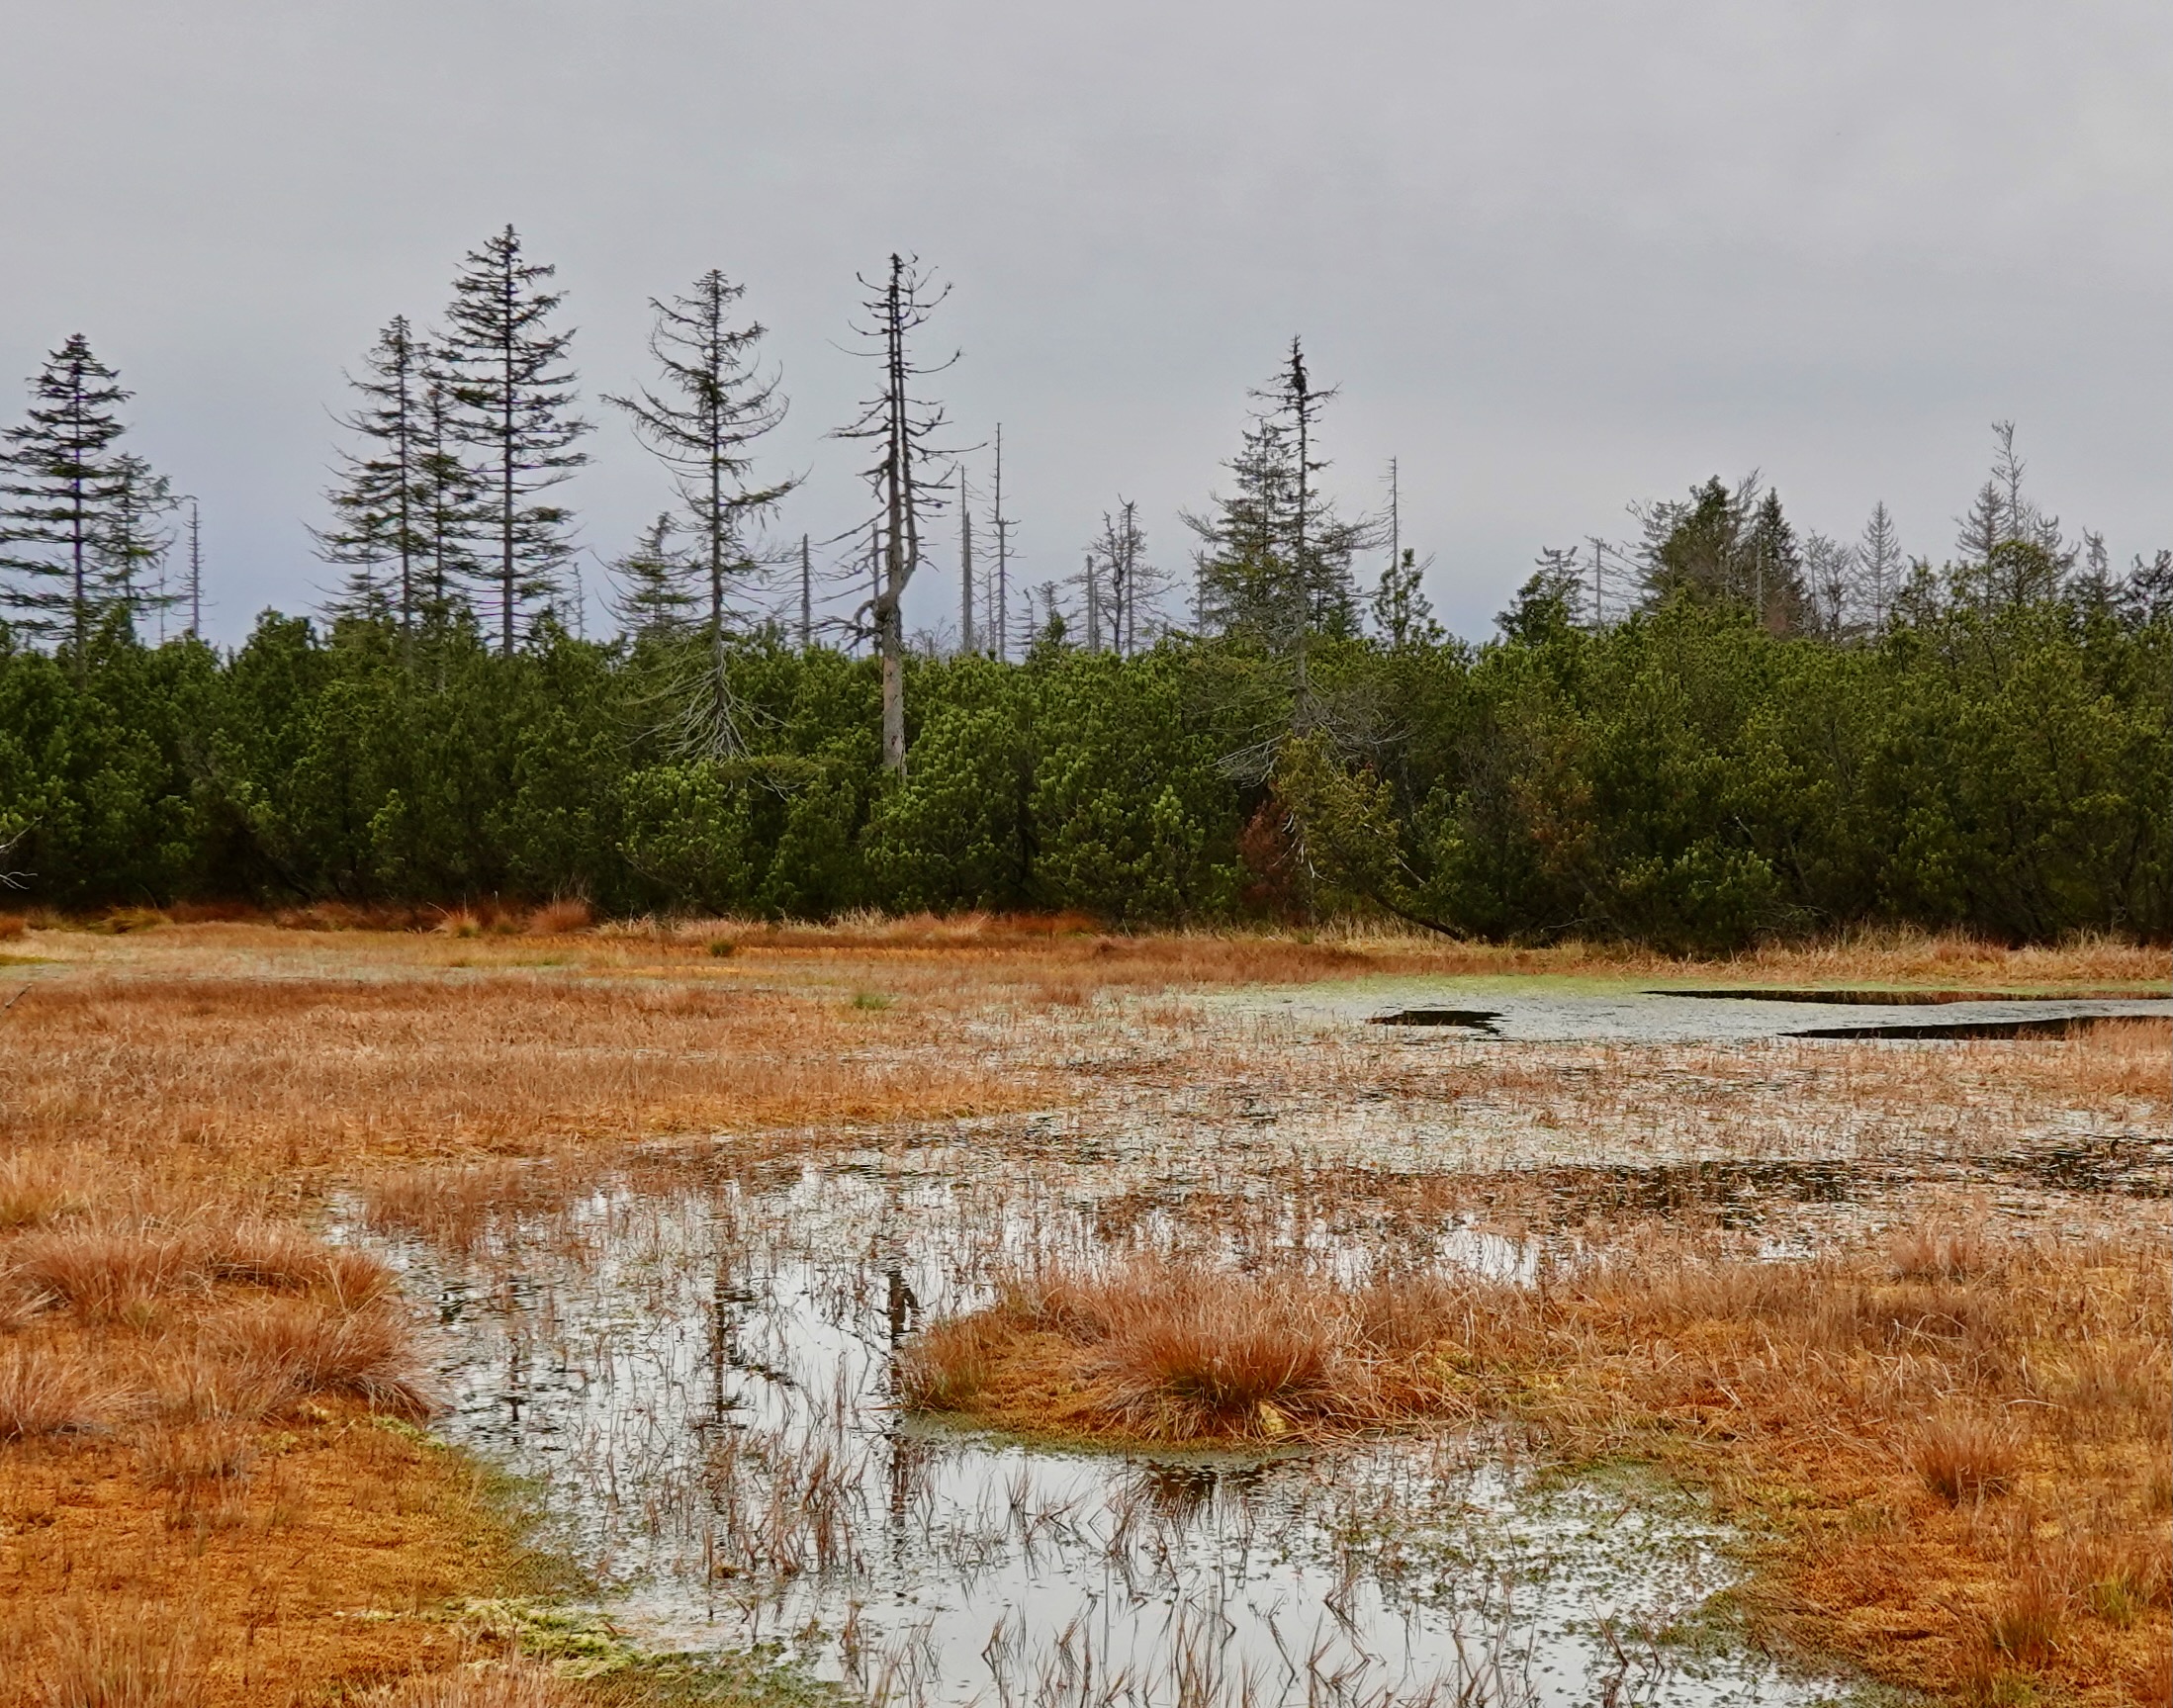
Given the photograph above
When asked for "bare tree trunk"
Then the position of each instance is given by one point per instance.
(898, 421)
(1003, 557)
(965, 566)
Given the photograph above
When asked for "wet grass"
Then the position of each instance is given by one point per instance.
(200, 1489)
(1951, 1435)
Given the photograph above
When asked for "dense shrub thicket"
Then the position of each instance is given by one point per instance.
(1687, 778)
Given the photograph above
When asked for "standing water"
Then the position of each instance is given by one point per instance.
(702, 1381)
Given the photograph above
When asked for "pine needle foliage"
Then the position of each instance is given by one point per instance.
(503, 368)
(63, 485)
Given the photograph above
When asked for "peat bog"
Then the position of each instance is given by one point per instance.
(1084, 1321)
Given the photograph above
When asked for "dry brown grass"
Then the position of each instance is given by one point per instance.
(451, 1207)
(179, 1095)
(39, 1186)
(560, 918)
(236, 1078)
(47, 1391)
(300, 1347)
(312, 1571)
(81, 1656)
(1949, 1485)
(1965, 1456)
(483, 1684)
(1155, 1352)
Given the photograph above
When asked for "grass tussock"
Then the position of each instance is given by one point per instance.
(74, 1654)
(37, 1186)
(1910, 1425)
(47, 1391)
(301, 1348)
(1967, 1457)
(118, 1271)
(1160, 1351)
(560, 919)
(453, 1206)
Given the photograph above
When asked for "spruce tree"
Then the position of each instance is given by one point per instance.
(382, 504)
(1722, 547)
(503, 373)
(133, 545)
(715, 403)
(62, 482)
(1245, 584)
(450, 499)
(1118, 558)
(1275, 556)
(1401, 609)
(1779, 597)
(654, 601)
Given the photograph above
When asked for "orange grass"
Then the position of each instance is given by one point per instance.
(192, 1371)
(487, 1684)
(258, 1077)
(45, 1391)
(1943, 1484)
(312, 1571)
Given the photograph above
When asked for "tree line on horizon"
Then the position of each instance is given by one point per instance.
(1720, 730)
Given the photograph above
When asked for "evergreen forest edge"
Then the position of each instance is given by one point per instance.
(1768, 736)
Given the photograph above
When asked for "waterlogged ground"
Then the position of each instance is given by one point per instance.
(701, 1381)
(694, 1358)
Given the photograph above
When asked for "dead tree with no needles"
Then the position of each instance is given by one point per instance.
(901, 424)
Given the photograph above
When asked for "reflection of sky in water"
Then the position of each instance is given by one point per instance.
(1515, 1012)
(703, 1385)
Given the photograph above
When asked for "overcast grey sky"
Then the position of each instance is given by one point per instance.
(1558, 255)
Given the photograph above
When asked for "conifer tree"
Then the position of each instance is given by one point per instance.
(511, 408)
(62, 482)
(1723, 547)
(450, 499)
(1118, 563)
(1275, 556)
(965, 564)
(1000, 527)
(653, 600)
(1880, 559)
(1778, 595)
(131, 546)
(1401, 607)
(383, 505)
(715, 404)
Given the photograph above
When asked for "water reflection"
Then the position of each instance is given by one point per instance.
(703, 1382)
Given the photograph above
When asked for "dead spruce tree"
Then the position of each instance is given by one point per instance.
(503, 369)
(702, 424)
(1119, 562)
(901, 424)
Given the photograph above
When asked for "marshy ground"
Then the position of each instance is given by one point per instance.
(1001, 1311)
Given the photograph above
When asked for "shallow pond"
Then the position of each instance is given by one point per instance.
(1531, 1010)
(700, 1379)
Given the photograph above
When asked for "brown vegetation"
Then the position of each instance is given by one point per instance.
(1952, 1450)
(254, 1079)
(198, 1398)
(494, 1685)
